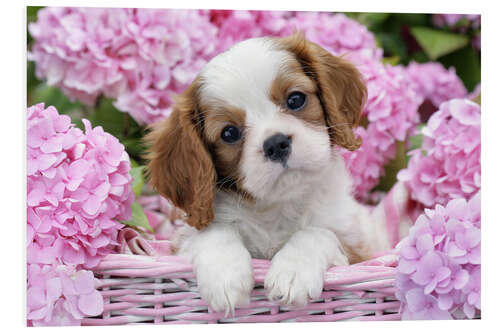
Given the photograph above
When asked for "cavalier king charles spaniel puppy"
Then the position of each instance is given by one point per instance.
(251, 153)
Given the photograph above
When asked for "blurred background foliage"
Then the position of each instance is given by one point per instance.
(403, 37)
(413, 37)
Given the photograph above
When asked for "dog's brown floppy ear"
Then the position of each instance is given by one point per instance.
(341, 89)
(180, 167)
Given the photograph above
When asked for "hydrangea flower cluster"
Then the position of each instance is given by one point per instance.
(335, 32)
(139, 57)
(392, 112)
(365, 164)
(448, 165)
(237, 25)
(439, 270)
(434, 82)
(59, 295)
(338, 34)
(78, 187)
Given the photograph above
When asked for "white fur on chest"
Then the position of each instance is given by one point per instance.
(263, 232)
(265, 228)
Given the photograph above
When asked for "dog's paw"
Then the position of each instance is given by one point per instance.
(293, 282)
(225, 287)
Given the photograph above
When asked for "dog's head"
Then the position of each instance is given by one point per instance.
(260, 120)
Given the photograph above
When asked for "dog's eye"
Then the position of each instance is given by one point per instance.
(296, 101)
(230, 134)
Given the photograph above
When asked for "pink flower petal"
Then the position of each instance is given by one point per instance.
(416, 300)
(37, 314)
(36, 297)
(91, 304)
(54, 289)
(445, 302)
(84, 282)
(102, 190)
(406, 266)
(71, 256)
(467, 112)
(92, 204)
(455, 251)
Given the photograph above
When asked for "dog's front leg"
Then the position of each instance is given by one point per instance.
(297, 270)
(222, 265)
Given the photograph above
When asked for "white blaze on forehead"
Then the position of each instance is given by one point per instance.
(243, 75)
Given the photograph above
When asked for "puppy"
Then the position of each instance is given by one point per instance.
(251, 154)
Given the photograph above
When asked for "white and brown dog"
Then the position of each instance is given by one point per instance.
(251, 154)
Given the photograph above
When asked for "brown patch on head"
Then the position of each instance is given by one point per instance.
(226, 157)
(180, 166)
(291, 79)
(340, 87)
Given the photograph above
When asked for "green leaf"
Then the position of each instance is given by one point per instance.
(477, 99)
(134, 146)
(31, 16)
(437, 43)
(393, 44)
(31, 13)
(107, 116)
(133, 163)
(49, 95)
(372, 19)
(416, 141)
(394, 60)
(392, 168)
(138, 180)
(419, 56)
(139, 218)
(31, 81)
(411, 19)
(121, 125)
(467, 65)
(462, 23)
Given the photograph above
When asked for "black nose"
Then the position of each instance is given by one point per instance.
(277, 148)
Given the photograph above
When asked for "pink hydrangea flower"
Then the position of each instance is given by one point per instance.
(434, 82)
(366, 164)
(338, 34)
(392, 113)
(237, 25)
(335, 32)
(438, 274)
(78, 188)
(60, 295)
(140, 57)
(448, 164)
(424, 307)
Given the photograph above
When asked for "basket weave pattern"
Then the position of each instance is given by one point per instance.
(163, 290)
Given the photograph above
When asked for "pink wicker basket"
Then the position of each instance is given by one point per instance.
(161, 289)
